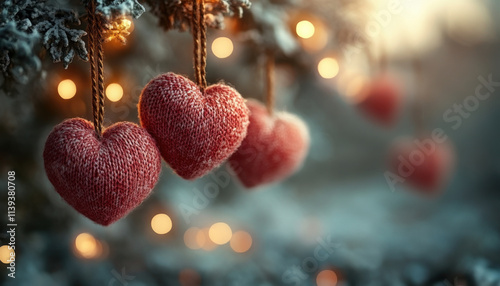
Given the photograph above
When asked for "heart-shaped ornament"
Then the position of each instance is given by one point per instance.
(195, 131)
(102, 178)
(381, 100)
(274, 148)
(423, 163)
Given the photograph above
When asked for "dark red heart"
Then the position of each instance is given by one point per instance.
(195, 131)
(104, 179)
(274, 148)
(381, 100)
(423, 163)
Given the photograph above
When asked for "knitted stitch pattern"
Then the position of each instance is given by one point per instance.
(195, 132)
(103, 179)
(275, 147)
(381, 100)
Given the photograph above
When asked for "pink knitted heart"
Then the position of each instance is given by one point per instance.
(274, 148)
(103, 179)
(195, 131)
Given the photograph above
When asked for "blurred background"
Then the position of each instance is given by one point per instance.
(362, 74)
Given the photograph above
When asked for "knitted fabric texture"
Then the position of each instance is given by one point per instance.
(103, 179)
(426, 167)
(275, 147)
(195, 132)
(381, 100)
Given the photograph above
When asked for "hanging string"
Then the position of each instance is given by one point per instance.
(270, 82)
(199, 31)
(203, 40)
(196, 41)
(91, 47)
(100, 72)
(96, 59)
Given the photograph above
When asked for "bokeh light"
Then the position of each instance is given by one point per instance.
(305, 29)
(328, 68)
(241, 241)
(66, 89)
(204, 241)
(326, 278)
(319, 40)
(190, 238)
(114, 92)
(201, 238)
(5, 254)
(222, 47)
(87, 246)
(220, 233)
(161, 223)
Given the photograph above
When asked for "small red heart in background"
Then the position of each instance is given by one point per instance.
(275, 147)
(195, 131)
(423, 163)
(104, 179)
(381, 100)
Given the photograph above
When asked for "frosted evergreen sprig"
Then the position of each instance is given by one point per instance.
(114, 9)
(176, 14)
(27, 24)
(24, 24)
(17, 55)
(62, 42)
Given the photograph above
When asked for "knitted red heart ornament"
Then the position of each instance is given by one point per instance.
(274, 148)
(381, 100)
(195, 131)
(103, 179)
(423, 163)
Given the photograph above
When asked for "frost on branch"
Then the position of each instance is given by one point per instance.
(114, 9)
(62, 42)
(17, 41)
(27, 24)
(23, 24)
(176, 14)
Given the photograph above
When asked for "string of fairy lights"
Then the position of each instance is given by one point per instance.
(313, 37)
(86, 246)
